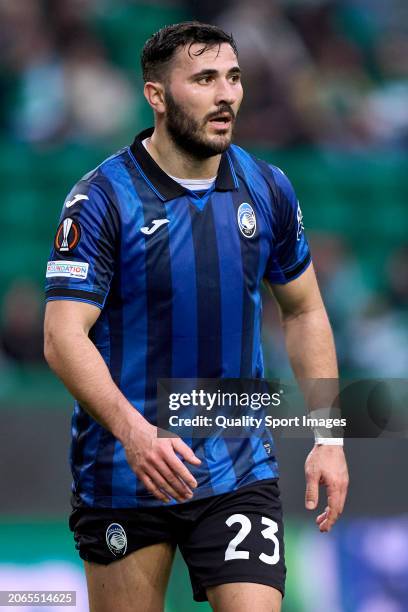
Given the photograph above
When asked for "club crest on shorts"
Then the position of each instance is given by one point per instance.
(246, 220)
(116, 539)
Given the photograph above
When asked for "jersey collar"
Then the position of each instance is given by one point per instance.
(165, 187)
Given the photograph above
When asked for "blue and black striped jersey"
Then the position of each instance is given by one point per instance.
(177, 276)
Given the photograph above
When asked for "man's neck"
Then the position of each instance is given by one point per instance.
(175, 161)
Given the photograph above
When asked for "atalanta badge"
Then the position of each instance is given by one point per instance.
(246, 220)
(116, 539)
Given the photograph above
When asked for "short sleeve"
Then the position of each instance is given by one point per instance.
(290, 254)
(82, 259)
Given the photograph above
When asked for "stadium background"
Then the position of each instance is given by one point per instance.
(327, 100)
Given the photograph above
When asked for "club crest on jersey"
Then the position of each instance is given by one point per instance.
(246, 220)
(116, 539)
(67, 236)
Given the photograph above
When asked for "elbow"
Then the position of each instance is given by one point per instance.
(49, 347)
(48, 351)
(315, 318)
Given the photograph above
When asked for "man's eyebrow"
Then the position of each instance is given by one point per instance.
(212, 72)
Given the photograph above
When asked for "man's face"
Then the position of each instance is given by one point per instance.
(202, 96)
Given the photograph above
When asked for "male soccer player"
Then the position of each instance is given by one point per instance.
(155, 273)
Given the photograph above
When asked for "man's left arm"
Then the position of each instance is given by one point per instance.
(310, 347)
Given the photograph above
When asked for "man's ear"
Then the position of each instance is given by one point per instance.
(154, 94)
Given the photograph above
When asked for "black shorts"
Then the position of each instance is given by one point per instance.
(233, 537)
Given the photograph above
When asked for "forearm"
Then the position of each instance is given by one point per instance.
(77, 362)
(310, 344)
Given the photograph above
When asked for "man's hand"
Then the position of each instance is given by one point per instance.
(155, 462)
(326, 465)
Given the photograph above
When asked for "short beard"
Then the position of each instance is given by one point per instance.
(186, 132)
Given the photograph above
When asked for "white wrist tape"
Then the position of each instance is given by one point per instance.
(319, 432)
(329, 441)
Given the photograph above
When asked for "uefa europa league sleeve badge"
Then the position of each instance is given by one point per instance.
(67, 236)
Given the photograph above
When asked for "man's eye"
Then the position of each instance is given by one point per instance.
(205, 80)
(235, 78)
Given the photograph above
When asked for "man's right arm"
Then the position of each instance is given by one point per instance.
(77, 362)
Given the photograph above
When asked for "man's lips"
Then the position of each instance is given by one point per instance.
(223, 120)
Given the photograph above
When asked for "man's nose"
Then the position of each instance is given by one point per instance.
(225, 93)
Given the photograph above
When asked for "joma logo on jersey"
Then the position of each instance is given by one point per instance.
(75, 199)
(156, 223)
(300, 226)
(246, 220)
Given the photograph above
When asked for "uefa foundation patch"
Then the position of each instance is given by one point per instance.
(69, 269)
(68, 235)
(116, 539)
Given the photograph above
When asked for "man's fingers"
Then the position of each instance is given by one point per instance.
(326, 465)
(323, 520)
(185, 451)
(166, 486)
(162, 484)
(336, 496)
(333, 500)
(333, 509)
(321, 517)
(154, 490)
(173, 480)
(339, 489)
(312, 491)
(181, 471)
(343, 495)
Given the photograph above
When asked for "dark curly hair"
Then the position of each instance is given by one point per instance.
(160, 48)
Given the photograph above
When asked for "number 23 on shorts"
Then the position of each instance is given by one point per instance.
(269, 534)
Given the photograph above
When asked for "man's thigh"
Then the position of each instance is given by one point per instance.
(128, 555)
(244, 597)
(132, 584)
(236, 538)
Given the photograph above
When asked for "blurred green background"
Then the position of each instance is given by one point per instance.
(326, 100)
